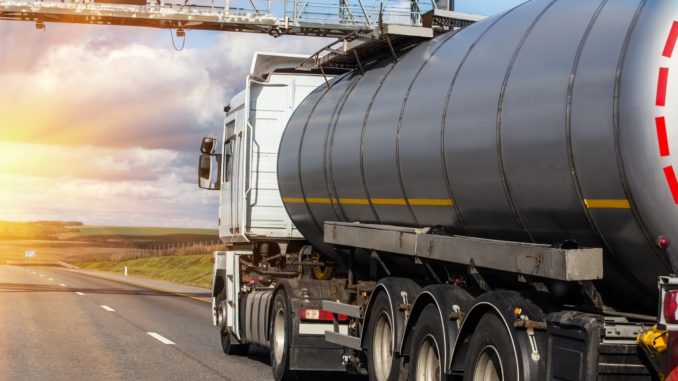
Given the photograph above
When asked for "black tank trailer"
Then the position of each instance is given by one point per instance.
(554, 122)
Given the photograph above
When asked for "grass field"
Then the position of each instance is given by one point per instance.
(179, 255)
(195, 270)
(51, 250)
(94, 230)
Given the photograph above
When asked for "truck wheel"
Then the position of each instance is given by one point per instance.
(490, 356)
(280, 330)
(229, 343)
(380, 362)
(426, 363)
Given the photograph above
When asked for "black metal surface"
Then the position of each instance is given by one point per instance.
(534, 125)
(572, 352)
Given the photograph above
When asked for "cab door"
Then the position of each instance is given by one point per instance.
(231, 211)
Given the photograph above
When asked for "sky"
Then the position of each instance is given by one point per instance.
(102, 124)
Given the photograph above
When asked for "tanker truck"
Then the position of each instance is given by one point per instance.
(493, 203)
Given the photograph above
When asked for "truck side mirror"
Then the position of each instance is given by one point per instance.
(208, 145)
(205, 173)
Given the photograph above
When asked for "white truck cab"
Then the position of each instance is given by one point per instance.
(250, 203)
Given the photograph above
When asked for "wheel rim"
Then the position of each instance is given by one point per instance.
(221, 316)
(488, 365)
(382, 347)
(428, 360)
(279, 336)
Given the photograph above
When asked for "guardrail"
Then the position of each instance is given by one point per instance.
(41, 263)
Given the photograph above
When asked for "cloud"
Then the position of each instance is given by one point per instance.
(128, 186)
(97, 92)
(95, 163)
(165, 202)
(102, 124)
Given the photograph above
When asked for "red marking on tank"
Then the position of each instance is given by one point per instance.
(673, 182)
(662, 137)
(661, 85)
(671, 40)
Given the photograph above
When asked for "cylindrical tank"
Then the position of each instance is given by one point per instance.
(553, 121)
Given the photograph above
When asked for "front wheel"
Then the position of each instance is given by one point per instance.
(280, 339)
(229, 344)
(490, 356)
(426, 350)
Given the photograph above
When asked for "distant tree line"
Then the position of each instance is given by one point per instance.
(35, 229)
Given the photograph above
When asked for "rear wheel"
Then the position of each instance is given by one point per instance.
(427, 346)
(381, 364)
(280, 332)
(490, 356)
(229, 343)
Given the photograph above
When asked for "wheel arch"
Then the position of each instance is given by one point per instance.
(393, 287)
(501, 304)
(444, 297)
(219, 283)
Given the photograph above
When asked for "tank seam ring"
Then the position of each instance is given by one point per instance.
(327, 169)
(301, 144)
(616, 123)
(586, 203)
(362, 139)
(443, 121)
(500, 109)
(400, 125)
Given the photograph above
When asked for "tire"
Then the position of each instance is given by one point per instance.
(381, 363)
(280, 333)
(427, 347)
(490, 355)
(229, 344)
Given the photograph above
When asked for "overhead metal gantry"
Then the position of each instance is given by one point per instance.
(362, 27)
(330, 18)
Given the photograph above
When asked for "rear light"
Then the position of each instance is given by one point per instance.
(317, 314)
(671, 307)
(663, 242)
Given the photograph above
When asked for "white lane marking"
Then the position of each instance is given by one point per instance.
(51, 279)
(160, 338)
(62, 285)
(80, 293)
(107, 308)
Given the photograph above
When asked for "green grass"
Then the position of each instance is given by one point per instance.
(193, 270)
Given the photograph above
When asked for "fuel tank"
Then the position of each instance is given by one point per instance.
(554, 121)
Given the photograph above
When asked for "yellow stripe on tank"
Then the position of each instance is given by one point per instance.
(603, 203)
(430, 201)
(293, 200)
(354, 201)
(375, 201)
(319, 200)
(388, 201)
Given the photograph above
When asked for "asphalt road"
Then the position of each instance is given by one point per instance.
(61, 325)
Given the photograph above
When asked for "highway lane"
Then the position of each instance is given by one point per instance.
(60, 325)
